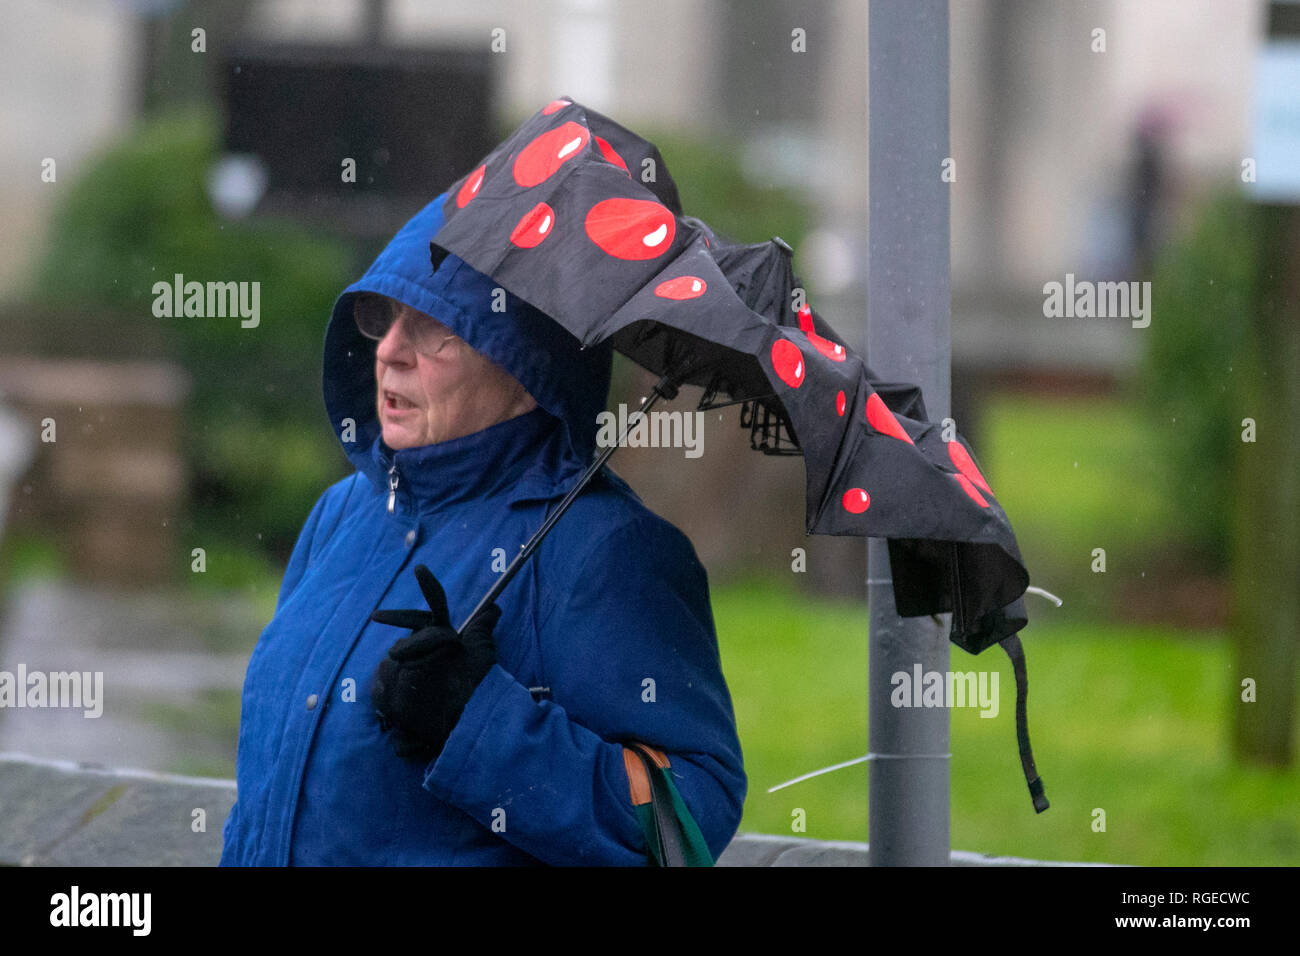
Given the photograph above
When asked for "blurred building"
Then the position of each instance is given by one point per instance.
(1043, 124)
(68, 82)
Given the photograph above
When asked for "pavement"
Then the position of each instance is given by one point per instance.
(172, 666)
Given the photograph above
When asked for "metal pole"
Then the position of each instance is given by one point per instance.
(909, 304)
(374, 14)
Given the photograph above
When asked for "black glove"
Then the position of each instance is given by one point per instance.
(423, 685)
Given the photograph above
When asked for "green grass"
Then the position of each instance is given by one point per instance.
(1075, 474)
(25, 556)
(797, 671)
(1133, 721)
(1071, 469)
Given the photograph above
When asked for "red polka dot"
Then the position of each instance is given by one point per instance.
(555, 106)
(535, 226)
(607, 151)
(631, 228)
(882, 419)
(841, 403)
(962, 459)
(469, 189)
(787, 360)
(683, 287)
(539, 160)
(856, 501)
(831, 350)
(971, 490)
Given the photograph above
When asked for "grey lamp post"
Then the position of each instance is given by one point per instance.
(908, 318)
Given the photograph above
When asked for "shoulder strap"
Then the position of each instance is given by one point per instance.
(663, 835)
(672, 836)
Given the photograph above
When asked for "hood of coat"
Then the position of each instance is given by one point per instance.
(569, 383)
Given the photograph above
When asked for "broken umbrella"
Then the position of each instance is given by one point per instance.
(555, 215)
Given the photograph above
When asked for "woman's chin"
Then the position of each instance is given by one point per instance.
(398, 436)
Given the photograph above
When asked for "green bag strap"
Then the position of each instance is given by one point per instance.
(672, 836)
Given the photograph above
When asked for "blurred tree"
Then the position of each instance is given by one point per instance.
(172, 72)
(259, 447)
(1201, 358)
(1266, 556)
(1223, 379)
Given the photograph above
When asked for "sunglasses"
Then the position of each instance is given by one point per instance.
(375, 315)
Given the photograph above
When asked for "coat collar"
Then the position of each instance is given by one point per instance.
(525, 457)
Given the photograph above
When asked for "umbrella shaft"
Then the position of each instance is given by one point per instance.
(664, 388)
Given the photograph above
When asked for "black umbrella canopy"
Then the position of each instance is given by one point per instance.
(954, 557)
(580, 217)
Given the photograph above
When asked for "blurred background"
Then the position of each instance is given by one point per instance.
(155, 471)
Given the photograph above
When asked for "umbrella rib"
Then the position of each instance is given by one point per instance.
(735, 401)
(856, 760)
(1045, 594)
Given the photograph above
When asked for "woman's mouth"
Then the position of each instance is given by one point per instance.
(394, 403)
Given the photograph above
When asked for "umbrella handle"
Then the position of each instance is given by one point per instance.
(666, 387)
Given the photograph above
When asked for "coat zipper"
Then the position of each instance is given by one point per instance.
(392, 488)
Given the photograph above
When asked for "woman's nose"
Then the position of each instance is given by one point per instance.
(395, 348)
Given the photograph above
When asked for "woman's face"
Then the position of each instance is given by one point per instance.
(424, 399)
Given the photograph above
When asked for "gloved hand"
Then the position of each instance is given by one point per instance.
(422, 686)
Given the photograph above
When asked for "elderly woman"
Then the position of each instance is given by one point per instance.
(468, 415)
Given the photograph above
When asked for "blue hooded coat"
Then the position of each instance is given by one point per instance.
(611, 614)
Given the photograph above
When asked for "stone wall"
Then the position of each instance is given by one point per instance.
(112, 495)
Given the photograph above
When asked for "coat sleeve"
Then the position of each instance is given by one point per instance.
(629, 652)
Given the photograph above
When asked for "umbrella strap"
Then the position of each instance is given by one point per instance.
(1016, 652)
